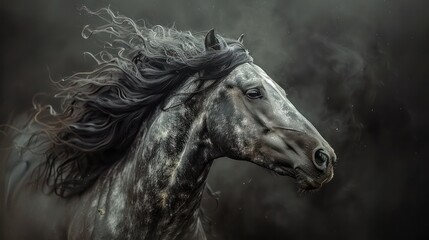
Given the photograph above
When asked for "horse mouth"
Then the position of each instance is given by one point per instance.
(304, 181)
(285, 171)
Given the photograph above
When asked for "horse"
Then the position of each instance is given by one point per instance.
(128, 154)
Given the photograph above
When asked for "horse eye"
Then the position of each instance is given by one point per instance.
(253, 93)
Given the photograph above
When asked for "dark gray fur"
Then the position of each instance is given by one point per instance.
(155, 190)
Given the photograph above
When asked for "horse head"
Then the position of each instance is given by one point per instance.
(249, 117)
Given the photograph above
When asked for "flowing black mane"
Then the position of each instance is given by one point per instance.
(103, 110)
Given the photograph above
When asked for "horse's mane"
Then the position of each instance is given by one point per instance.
(102, 110)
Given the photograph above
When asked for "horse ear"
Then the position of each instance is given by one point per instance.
(211, 41)
(240, 39)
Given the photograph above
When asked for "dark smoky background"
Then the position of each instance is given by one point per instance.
(358, 70)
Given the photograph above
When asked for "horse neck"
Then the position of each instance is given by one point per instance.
(171, 163)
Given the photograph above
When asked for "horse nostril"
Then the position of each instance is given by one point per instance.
(320, 160)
